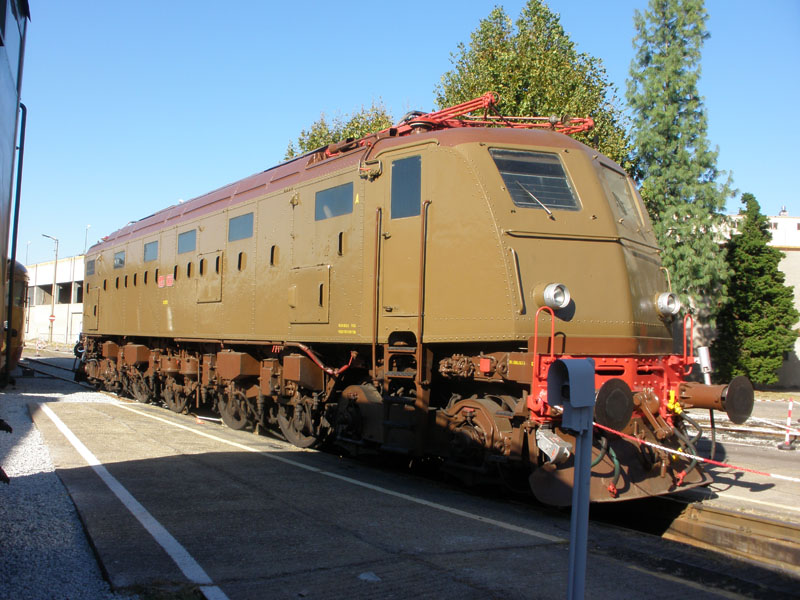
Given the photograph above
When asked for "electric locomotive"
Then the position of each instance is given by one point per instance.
(408, 293)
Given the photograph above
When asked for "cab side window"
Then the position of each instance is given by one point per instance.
(406, 187)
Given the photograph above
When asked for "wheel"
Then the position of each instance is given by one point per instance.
(175, 401)
(233, 410)
(294, 422)
(136, 387)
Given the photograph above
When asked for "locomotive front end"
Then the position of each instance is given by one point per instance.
(586, 280)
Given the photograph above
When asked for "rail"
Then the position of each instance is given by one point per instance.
(749, 536)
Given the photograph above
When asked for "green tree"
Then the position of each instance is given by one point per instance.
(677, 169)
(535, 70)
(755, 327)
(356, 125)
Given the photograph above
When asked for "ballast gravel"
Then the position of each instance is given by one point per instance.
(44, 552)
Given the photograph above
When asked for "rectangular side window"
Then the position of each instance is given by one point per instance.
(621, 195)
(535, 179)
(187, 241)
(90, 267)
(240, 228)
(406, 187)
(150, 251)
(119, 260)
(334, 202)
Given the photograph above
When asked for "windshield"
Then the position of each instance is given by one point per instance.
(535, 179)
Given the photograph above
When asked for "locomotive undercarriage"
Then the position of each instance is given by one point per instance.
(473, 413)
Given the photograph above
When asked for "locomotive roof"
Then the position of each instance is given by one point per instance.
(316, 164)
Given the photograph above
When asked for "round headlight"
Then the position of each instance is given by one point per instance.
(668, 304)
(556, 296)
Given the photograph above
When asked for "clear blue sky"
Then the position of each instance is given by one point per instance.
(134, 106)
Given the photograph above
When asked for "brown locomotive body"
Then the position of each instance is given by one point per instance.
(387, 293)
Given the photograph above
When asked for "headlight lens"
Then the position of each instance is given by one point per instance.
(668, 304)
(556, 296)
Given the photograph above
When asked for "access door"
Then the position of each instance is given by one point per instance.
(401, 237)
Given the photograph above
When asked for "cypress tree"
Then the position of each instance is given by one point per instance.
(676, 168)
(755, 327)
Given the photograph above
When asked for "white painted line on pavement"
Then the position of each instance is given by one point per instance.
(363, 484)
(185, 562)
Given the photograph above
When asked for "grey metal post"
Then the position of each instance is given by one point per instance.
(570, 383)
(55, 287)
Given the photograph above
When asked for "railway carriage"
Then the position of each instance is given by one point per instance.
(408, 292)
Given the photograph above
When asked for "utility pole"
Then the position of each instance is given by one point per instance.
(55, 287)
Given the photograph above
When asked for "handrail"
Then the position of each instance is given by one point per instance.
(520, 293)
(375, 290)
(687, 357)
(423, 252)
(535, 376)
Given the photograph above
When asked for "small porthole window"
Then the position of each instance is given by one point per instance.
(87, 288)
(175, 273)
(188, 269)
(145, 278)
(105, 284)
(126, 281)
(94, 310)
(116, 283)
(134, 279)
(321, 294)
(217, 265)
(341, 243)
(273, 256)
(242, 262)
(202, 266)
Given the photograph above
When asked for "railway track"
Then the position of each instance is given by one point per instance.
(752, 537)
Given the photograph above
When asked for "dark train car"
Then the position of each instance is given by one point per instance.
(408, 293)
(14, 340)
(14, 15)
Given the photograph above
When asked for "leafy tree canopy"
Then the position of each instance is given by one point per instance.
(756, 326)
(356, 125)
(675, 165)
(535, 70)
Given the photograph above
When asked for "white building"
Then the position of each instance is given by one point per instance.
(786, 237)
(67, 308)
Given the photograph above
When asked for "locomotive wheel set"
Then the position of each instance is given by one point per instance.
(407, 293)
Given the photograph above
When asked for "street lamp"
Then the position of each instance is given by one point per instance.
(55, 284)
(86, 240)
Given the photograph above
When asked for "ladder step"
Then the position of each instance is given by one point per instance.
(399, 400)
(402, 349)
(398, 425)
(402, 374)
(395, 449)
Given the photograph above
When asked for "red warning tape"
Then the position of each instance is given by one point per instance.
(697, 458)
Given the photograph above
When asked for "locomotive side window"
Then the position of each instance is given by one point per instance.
(150, 251)
(620, 193)
(406, 187)
(90, 267)
(535, 179)
(187, 241)
(240, 228)
(333, 202)
(119, 260)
